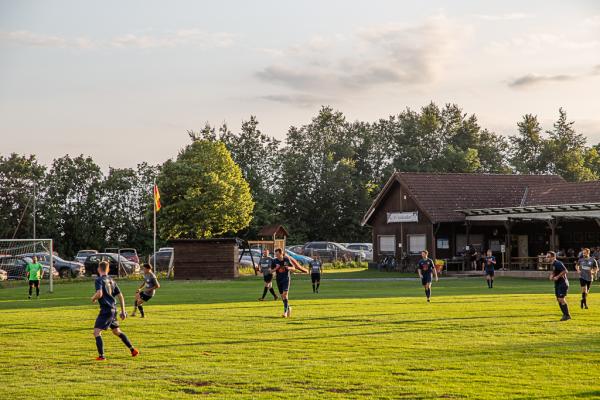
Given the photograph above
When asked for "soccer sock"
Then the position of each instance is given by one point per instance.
(125, 340)
(100, 345)
(30, 291)
(141, 310)
(428, 293)
(564, 308)
(491, 283)
(285, 305)
(272, 292)
(584, 297)
(313, 287)
(318, 284)
(265, 289)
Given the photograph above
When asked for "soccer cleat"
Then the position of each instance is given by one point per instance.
(132, 314)
(585, 306)
(100, 358)
(29, 297)
(261, 299)
(428, 300)
(134, 352)
(284, 315)
(275, 298)
(565, 318)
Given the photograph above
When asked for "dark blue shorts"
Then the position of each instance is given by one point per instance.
(107, 320)
(425, 280)
(145, 297)
(268, 278)
(561, 289)
(283, 285)
(489, 272)
(315, 277)
(585, 283)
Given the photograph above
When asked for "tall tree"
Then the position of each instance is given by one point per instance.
(204, 193)
(527, 154)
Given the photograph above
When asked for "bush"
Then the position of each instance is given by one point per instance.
(345, 264)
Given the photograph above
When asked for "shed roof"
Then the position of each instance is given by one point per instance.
(270, 230)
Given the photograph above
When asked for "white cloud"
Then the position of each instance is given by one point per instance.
(183, 37)
(592, 21)
(529, 80)
(504, 17)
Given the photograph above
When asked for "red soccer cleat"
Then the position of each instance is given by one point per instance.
(134, 352)
(100, 358)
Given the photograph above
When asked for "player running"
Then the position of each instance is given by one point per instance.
(561, 284)
(425, 268)
(149, 287)
(265, 267)
(586, 266)
(34, 272)
(106, 291)
(282, 266)
(487, 265)
(316, 269)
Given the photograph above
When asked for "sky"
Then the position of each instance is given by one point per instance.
(123, 81)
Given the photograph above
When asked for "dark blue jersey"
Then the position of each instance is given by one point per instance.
(489, 263)
(559, 267)
(281, 268)
(315, 266)
(426, 266)
(109, 291)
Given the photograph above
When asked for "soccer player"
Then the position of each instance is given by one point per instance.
(586, 266)
(425, 268)
(561, 284)
(316, 268)
(488, 264)
(34, 273)
(106, 294)
(265, 268)
(149, 286)
(282, 266)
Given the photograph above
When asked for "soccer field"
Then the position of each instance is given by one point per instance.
(371, 338)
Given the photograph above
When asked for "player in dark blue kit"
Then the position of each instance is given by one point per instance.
(282, 266)
(587, 267)
(426, 268)
(316, 268)
(106, 293)
(487, 265)
(561, 284)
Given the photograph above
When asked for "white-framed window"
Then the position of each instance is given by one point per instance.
(387, 244)
(417, 243)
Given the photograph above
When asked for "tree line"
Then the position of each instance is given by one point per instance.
(318, 181)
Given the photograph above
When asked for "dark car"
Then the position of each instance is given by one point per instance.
(66, 269)
(83, 254)
(114, 260)
(163, 259)
(329, 251)
(15, 267)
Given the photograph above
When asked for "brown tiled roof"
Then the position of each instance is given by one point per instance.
(270, 230)
(439, 195)
(563, 193)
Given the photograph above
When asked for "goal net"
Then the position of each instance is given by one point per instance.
(15, 254)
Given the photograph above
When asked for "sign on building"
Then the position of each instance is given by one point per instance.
(395, 217)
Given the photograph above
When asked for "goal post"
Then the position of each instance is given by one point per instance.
(15, 254)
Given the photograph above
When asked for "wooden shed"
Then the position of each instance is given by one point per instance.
(205, 258)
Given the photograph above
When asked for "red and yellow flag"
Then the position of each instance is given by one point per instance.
(156, 198)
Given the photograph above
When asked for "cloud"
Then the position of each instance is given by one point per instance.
(529, 80)
(298, 99)
(592, 21)
(182, 37)
(504, 17)
(370, 57)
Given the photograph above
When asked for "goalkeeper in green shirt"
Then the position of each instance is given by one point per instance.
(34, 273)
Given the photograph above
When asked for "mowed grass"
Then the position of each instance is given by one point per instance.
(357, 339)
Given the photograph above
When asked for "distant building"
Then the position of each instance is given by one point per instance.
(453, 214)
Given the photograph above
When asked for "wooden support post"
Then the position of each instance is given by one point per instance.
(552, 224)
(508, 225)
(467, 256)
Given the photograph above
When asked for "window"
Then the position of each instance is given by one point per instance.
(317, 245)
(387, 244)
(416, 243)
(443, 243)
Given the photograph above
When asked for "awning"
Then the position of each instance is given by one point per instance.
(541, 212)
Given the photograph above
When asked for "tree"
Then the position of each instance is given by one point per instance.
(203, 193)
(527, 147)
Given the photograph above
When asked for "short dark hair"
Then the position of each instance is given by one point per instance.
(278, 250)
(103, 266)
(148, 266)
(552, 253)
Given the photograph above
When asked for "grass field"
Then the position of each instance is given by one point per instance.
(356, 339)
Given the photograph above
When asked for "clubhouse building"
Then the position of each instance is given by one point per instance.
(455, 216)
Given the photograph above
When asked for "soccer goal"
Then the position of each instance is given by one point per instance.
(15, 254)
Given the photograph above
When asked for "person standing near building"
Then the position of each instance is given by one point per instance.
(487, 265)
(561, 284)
(426, 268)
(34, 273)
(586, 266)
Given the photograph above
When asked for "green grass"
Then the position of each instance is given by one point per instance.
(356, 339)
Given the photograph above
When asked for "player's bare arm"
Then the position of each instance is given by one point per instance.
(122, 304)
(97, 295)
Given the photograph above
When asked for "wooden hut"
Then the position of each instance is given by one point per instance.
(271, 237)
(205, 258)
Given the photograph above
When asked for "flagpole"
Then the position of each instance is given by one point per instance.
(154, 236)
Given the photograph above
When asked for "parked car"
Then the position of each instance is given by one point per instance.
(367, 248)
(130, 254)
(295, 248)
(329, 251)
(302, 259)
(163, 258)
(83, 254)
(15, 266)
(246, 260)
(66, 269)
(166, 249)
(91, 264)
